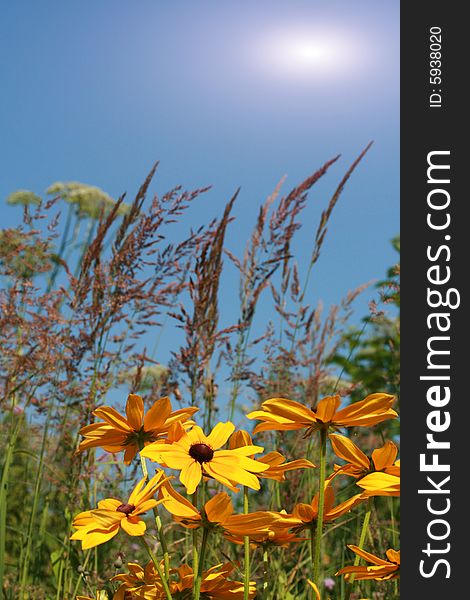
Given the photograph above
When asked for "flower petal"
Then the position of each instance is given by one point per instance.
(191, 475)
(239, 439)
(228, 468)
(380, 484)
(113, 418)
(219, 508)
(375, 408)
(326, 408)
(135, 411)
(157, 414)
(385, 456)
(348, 451)
(177, 504)
(134, 528)
(289, 409)
(220, 434)
(367, 556)
(99, 536)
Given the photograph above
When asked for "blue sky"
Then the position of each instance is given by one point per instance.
(222, 93)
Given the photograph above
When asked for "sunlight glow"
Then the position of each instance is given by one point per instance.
(309, 55)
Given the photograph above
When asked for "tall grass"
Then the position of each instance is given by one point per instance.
(86, 292)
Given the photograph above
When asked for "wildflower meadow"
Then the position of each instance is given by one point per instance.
(259, 459)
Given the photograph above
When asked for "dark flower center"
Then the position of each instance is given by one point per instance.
(126, 508)
(201, 452)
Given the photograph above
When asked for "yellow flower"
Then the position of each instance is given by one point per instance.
(217, 512)
(306, 514)
(284, 415)
(275, 460)
(380, 570)
(130, 434)
(195, 455)
(378, 476)
(97, 526)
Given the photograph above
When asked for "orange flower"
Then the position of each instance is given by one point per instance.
(380, 570)
(276, 461)
(130, 434)
(140, 583)
(215, 583)
(217, 512)
(383, 459)
(146, 583)
(306, 514)
(285, 415)
(97, 526)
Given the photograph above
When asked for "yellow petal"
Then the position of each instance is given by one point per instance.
(375, 408)
(133, 528)
(393, 556)
(99, 536)
(380, 484)
(326, 408)
(145, 506)
(191, 475)
(227, 468)
(385, 456)
(343, 508)
(177, 504)
(130, 453)
(348, 451)
(230, 457)
(135, 411)
(220, 434)
(273, 459)
(113, 418)
(109, 504)
(289, 409)
(367, 556)
(239, 439)
(219, 508)
(315, 589)
(276, 426)
(219, 477)
(157, 414)
(245, 451)
(304, 512)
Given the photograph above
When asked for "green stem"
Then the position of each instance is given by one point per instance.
(198, 579)
(321, 506)
(158, 568)
(195, 552)
(246, 543)
(159, 524)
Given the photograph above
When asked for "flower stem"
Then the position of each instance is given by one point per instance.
(321, 505)
(246, 542)
(158, 568)
(158, 522)
(198, 579)
(195, 552)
